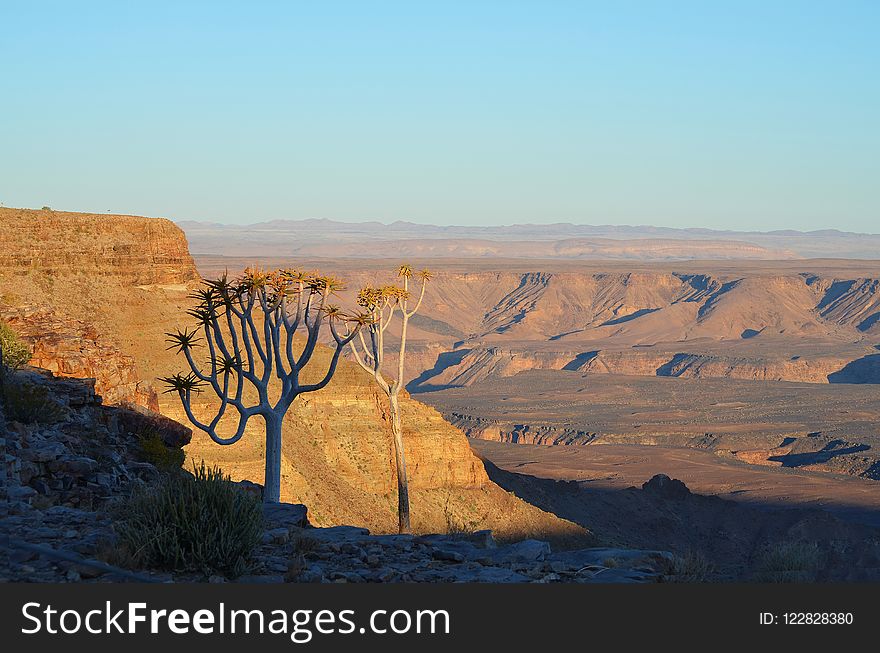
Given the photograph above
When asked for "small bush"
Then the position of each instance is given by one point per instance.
(788, 562)
(13, 351)
(30, 404)
(200, 522)
(156, 452)
(692, 567)
(302, 547)
(611, 563)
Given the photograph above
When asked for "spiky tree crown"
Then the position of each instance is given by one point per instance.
(369, 297)
(182, 340)
(254, 280)
(183, 383)
(372, 298)
(244, 348)
(382, 304)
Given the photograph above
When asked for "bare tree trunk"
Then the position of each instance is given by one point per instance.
(272, 483)
(403, 522)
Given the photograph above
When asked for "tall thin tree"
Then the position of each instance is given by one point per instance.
(381, 305)
(249, 326)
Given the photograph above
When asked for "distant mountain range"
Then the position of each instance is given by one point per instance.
(330, 238)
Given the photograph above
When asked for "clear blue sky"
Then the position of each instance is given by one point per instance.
(716, 114)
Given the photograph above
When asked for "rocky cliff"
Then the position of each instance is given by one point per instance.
(73, 348)
(137, 250)
(77, 451)
(846, 363)
(88, 292)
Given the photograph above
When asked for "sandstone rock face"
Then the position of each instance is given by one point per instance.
(482, 428)
(486, 363)
(72, 348)
(480, 364)
(809, 369)
(84, 291)
(141, 250)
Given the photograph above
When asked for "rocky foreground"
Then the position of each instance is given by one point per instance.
(64, 472)
(66, 544)
(345, 554)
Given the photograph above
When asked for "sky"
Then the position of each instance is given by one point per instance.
(727, 115)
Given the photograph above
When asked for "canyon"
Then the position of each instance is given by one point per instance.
(812, 321)
(715, 370)
(94, 296)
(770, 363)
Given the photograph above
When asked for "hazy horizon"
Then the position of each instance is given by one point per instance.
(740, 116)
(390, 222)
(501, 226)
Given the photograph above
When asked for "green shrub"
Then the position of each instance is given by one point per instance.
(30, 404)
(156, 452)
(788, 562)
(200, 522)
(14, 352)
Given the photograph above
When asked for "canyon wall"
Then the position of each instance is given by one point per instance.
(73, 348)
(813, 321)
(89, 293)
(135, 249)
(796, 326)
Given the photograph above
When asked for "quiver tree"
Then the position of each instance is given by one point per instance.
(381, 306)
(248, 327)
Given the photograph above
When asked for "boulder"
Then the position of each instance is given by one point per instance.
(285, 515)
(251, 488)
(667, 488)
(525, 551)
(483, 539)
(276, 536)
